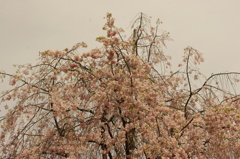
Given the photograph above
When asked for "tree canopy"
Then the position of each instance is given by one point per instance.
(121, 100)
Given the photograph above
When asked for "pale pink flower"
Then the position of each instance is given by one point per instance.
(13, 82)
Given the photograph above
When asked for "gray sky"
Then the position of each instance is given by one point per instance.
(30, 26)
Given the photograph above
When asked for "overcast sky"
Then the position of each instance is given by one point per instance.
(30, 26)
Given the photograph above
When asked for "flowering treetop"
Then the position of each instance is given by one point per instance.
(120, 101)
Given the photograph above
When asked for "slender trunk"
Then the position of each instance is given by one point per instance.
(130, 144)
(104, 148)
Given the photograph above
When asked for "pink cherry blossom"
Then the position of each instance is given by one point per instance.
(121, 100)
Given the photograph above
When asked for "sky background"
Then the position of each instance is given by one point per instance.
(30, 26)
